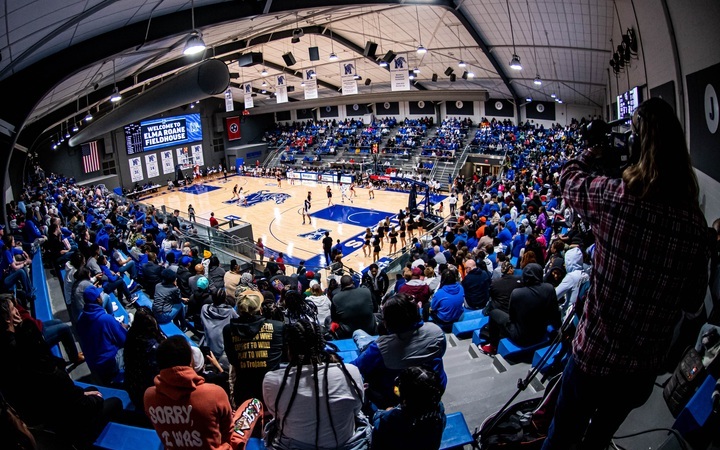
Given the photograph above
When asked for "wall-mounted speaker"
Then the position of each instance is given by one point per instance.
(453, 77)
(368, 81)
(370, 49)
(449, 71)
(314, 53)
(250, 59)
(389, 56)
(465, 75)
(435, 77)
(289, 59)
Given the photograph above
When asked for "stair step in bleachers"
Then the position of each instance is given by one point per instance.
(515, 353)
(456, 433)
(116, 436)
(108, 392)
(465, 328)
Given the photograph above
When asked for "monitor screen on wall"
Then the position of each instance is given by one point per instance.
(628, 102)
(160, 133)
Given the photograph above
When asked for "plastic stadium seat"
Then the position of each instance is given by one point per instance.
(541, 352)
(465, 328)
(345, 345)
(255, 444)
(471, 314)
(512, 352)
(698, 410)
(111, 392)
(124, 437)
(456, 433)
(348, 356)
(477, 339)
(170, 329)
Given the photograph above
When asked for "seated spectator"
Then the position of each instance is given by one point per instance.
(102, 337)
(198, 270)
(183, 276)
(352, 309)
(569, 287)
(198, 299)
(411, 342)
(320, 300)
(232, 279)
(215, 273)
(169, 304)
(140, 355)
(242, 337)
(213, 372)
(113, 282)
(377, 281)
(36, 385)
(417, 288)
(207, 418)
(312, 379)
(418, 421)
(14, 271)
(501, 288)
(446, 306)
(532, 308)
(151, 274)
(476, 285)
(214, 317)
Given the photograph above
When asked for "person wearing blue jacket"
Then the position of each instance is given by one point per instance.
(102, 337)
(446, 305)
(410, 342)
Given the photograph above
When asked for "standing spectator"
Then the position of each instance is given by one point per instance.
(378, 283)
(281, 262)
(191, 214)
(633, 305)
(213, 221)
(327, 243)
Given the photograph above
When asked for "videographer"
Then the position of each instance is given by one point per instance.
(650, 263)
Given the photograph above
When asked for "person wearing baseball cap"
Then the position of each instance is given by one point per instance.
(101, 335)
(201, 296)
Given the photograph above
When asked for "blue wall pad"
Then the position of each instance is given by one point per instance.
(198, 189)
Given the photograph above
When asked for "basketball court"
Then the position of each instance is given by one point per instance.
(276, 214)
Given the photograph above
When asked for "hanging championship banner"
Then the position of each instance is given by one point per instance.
(399, 73)
(311, 90)
(136, 172)
(151, 163)
(347, 75)
(247, 90)
(197, 155)
(184, 158)
(167, 162)
(229, 105)
(281, 90)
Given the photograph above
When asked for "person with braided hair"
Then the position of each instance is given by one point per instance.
(418, 421)
(316, 401)
(297, 307)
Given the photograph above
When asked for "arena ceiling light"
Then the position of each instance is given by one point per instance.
(333, 57)
(421, 50)
(115, 97)
(462, 63)
(537, 81)
(553, 95)
(416, 70)
(515, 61)
(88, 117)
(194, 43)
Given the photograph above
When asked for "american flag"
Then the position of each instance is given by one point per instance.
(90, 157)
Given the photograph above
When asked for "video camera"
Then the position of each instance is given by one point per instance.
(620, 149)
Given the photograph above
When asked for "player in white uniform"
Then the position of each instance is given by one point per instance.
(343, 194)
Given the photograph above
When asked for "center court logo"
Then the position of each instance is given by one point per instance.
(266, 196)
(314, 235)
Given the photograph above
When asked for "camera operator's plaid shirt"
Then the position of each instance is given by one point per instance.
(650, 263)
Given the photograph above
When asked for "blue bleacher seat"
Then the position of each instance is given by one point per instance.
(345, 345)
(512, 352)
(541, 352)
(170, 329)
(477, 339)
(116, 436)
(255, 444)
(41, 305)
(698, 410)
(111, 392)
(456, 433)
(465, 328)
(470, 314)
(143, 300)
(348, 356)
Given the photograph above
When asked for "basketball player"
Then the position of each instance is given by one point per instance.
(343, 194)
(306, 209)
(371, 192)
(278, 178)
(235, 193)
(328, 191)
(352, 190)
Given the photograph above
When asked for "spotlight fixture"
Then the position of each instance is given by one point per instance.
(528, 99)
(194, 43)
(333, 57)
(75, 128)
(515, 63)
(356, 77)
(264, 83)
(115, 97)
(421, 50)
(192, 105)
(54, 146)
(411, 75)
(559, 101)
(296, 35)
(263, 91)
(302, 83)
(416, 70)
(88, 117)
(553, 95)
(462, 64)
(537, 80)
(264, 72)
(383, 63)
(313, 74)
(67, 135)
(471, 74)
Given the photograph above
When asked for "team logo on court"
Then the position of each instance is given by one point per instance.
(266, 196)
(314, 235)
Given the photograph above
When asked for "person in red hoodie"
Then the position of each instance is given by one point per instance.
(418, 289)
(185, 411)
